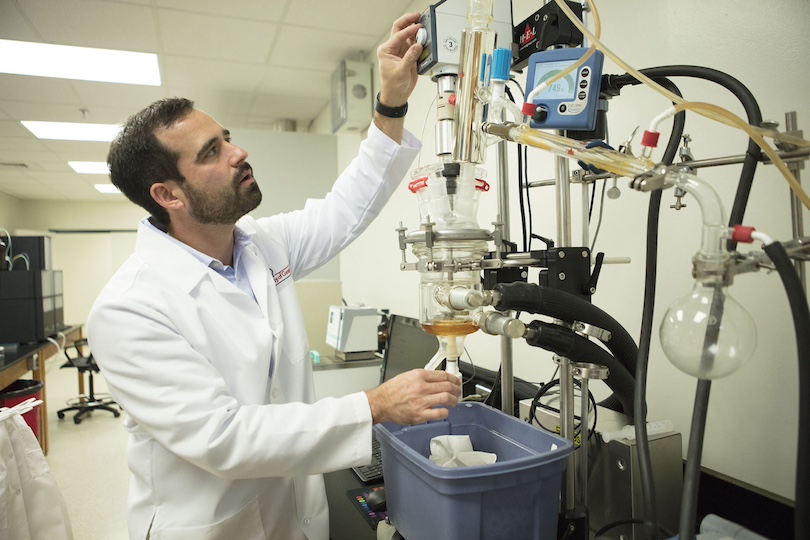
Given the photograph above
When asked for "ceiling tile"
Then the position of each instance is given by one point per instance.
(13, 24)
(96, 95)
(89, 23)
(251, 10)
(11, 174)
(12, 129)
(376, 20)
(139, 2)
(78, 151)
(41, 89)
(213, 74)
(61, 179)
(59, 166)
(218, 38)
(220, 105)
(24, 156)
(267, 109)
(57, 112)
(20, 143)
(307, 82)
(323, 49)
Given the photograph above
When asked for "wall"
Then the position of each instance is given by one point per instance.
(9, 211)
(751, 431)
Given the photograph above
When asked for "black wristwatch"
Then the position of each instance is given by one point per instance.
(390, 112)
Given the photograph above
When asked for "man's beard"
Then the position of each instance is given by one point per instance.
(225, 207)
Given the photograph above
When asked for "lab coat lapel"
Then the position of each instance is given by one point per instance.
(265, 292)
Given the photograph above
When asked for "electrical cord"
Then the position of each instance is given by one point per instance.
(601, 213)
(528, 197)
(544, 390)
(424, 124)
(472, 375)
(523, 188)
(593, 197)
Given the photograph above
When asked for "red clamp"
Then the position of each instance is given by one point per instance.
(418, 184)
(742, 234)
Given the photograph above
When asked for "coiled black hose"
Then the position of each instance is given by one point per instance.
(565, 342)
(561, 305)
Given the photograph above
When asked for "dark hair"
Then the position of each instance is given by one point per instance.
(137, 159)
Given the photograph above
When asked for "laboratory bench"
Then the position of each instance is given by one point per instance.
(346, 522)
(31, 357)
(336, 378)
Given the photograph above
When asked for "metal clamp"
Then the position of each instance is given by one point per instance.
(590, 330)
(585, 370)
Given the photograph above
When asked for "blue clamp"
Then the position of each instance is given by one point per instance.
(591, 168)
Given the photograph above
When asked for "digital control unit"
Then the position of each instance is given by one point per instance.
(569, 103)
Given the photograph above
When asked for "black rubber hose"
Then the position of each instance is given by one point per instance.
(532, 298)
(563, 341)
(801, 325)
(691, 475)
(752, 156)
(651, 527)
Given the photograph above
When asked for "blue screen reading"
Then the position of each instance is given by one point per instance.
(564, 88)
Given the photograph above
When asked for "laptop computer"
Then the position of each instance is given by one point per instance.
(408, 347)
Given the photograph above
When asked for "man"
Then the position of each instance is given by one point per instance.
(200, 335)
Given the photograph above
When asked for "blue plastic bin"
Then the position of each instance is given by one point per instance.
(515, 498)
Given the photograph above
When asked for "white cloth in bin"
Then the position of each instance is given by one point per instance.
(456, 451)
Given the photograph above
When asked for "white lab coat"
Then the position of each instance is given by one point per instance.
(31, 505)
(218, 449)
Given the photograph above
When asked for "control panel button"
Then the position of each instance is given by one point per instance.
(421, 37)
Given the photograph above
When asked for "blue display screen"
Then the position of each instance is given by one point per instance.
(564, 88)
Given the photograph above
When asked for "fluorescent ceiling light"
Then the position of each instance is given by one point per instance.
(89, 167)
(68, 131)
(82, 63)
(106, 188)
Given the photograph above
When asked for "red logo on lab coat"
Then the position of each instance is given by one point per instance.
(281, 275)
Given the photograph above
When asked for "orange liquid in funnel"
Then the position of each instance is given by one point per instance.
(450, 328)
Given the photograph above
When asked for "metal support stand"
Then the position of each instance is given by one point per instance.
(507, 374)
(796, 212)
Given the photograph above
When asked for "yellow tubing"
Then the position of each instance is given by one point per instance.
(756, 137)
(710, 111)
